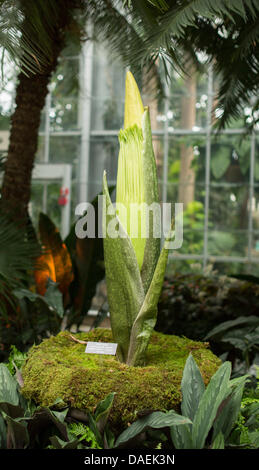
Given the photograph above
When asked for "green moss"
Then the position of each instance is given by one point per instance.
(60, 368)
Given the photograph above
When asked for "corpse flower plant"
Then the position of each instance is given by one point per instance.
(134, 265)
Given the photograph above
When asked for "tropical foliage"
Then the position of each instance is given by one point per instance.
(225, 31)
(223, 415)
(205, 412)
(45, 282)
(217, 308)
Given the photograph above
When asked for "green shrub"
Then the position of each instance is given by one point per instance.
(192, 305)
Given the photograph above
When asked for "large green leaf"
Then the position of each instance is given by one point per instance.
(218, 442)
(156, 420)
(146, 319)
(220, 161)
(8, 387)
(2, 433)
(251, 320)
(124, 285)
(192, 387)
(215, 393)
(14, 411)
(17, 432)
(58, 443)
(103, 410)
(93, 426)
(52, 297)
(229, 413)
(254, 439)
(182, 436)
(152, 247)
(44, 417)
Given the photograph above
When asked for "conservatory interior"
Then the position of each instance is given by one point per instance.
(102, 347)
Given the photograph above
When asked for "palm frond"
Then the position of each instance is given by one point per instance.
(18, 251)
(234, 55)
(226, 31)
(28, 28)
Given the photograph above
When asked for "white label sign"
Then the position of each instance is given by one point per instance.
(101, 348)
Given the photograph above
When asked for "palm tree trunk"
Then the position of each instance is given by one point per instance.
(30, 99)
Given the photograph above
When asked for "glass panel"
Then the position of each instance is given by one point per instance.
(44, 198)
(104, 156)
(193, 216)
(228, 220)
(64, 96)
(107, 91)
(188, 101)
(256, 171)
(255, 244)
(64, 149)
(63, 113)
(54, 210)
(255, 208)
(40, 150)
(228, 243)
(186, 161)
(230, 159)
(237, 268)
(43, 120)
(7, 93)
(158, 146)
(229, 207)
(175, 265)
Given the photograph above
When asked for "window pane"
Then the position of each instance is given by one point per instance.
(44, 198)
(104, 156)
(64, 112)
(107, 91)
(193, 217)
(228, 220)
(255, 207)
(230, 159)
(188, 102)
(65, 149)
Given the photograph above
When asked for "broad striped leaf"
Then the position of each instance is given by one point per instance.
(103, 410)
(218, 442)
(146, 319)
(182, 436)
(215, 393)
(152, 247)
(18, 432)
(192, 388)
(156, 420)
(124, 285)
(223, 327)
(8, 387)
(229, 413)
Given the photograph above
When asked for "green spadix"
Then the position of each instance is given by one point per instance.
(133, 192)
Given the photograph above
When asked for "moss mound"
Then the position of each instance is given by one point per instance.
(60, 368)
